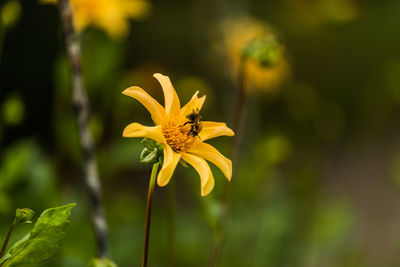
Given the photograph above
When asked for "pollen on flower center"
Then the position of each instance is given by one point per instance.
(179, 136)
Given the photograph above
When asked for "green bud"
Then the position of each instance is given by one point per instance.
(149, 157)
(152, 153)
(24, 215)
(103, 262)
(265, 51)
(150, 144)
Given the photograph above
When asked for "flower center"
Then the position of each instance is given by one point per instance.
(181, 135)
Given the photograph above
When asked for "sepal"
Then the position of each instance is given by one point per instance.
(152, 151)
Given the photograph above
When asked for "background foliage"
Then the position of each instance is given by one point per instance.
(318, 179)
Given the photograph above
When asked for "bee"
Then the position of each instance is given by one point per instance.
(194, 119)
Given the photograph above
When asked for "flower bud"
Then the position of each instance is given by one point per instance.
(152, 152)
(265, 51)
(24, 215)
(150, 144)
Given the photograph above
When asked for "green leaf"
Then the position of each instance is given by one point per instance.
(103, 262)
(42, 242)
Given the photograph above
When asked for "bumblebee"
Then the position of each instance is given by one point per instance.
(194, 119)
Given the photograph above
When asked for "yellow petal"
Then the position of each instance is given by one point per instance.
(213, 129)
(156, 110)
(136, 9)
(194, 103)
(171, 159)
(118, 28)
(172, 104)
(138, 130)
(201, 166)
(208, 152)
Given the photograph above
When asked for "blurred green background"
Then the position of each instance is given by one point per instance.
(319, 171)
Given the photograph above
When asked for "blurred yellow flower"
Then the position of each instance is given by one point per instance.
(237, 33)
(181, 133)
(110, 15)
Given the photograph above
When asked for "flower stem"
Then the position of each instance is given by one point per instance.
(148, 213)
(240, 110)
(82, 112)
(238, 123)
(4, 247)
(171, 214)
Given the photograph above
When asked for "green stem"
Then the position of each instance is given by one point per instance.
(171, 214)
(238, 123)
(240, 110)
(148, 213)
(3, 249)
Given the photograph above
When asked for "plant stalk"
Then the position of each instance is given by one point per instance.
(4, 247)
(148, 213)
(240, 110)
(81, 105)
(238, 124)
(171, 215)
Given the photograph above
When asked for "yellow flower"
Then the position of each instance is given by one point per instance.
(236, 33)
(176, 135)
(110, 15)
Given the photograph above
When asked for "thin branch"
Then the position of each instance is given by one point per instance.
(81, 106)
(5, 244)
(240, 111)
